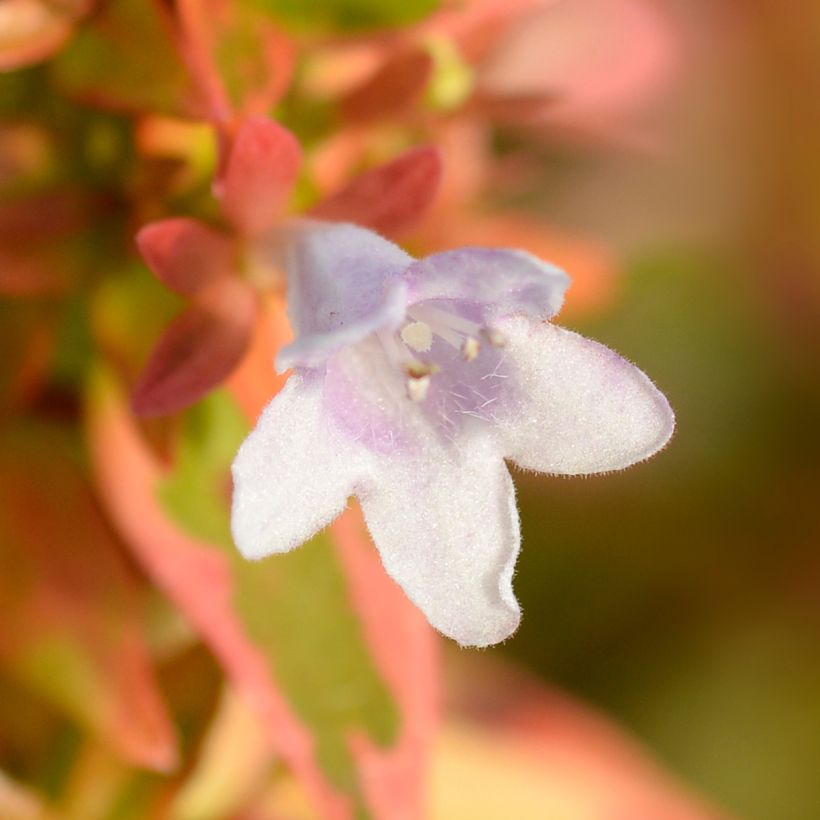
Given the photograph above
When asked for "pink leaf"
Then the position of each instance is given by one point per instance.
(406, 651)
(196, 577)
(186, 255)
(198, 351)
(590, 58)
(261, 170)
(390, 198)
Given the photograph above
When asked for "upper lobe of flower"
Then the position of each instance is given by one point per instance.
(414, 381)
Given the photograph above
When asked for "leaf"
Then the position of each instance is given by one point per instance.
(521, 749)
(391, 198)
(296, 609)
(345, 15)
(198, 351)
(242, 61)
(594, 58)
(394, 89)
(199, 576)
(235, 757)
(33, 30)
(71, 622)
(107, 63)
(20, 803)
(27, 335)
(186, 255)
(405, 649)
(262, 168)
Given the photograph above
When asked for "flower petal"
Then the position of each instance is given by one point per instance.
(503, 281)
(293, 474)
(588, 411)
(184, 254)
(342, 286)
(261, 171)
(447, 529)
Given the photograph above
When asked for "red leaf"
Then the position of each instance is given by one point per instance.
(390, 198)
(261, 171)
(405, 648)
(393, 89)
(196, 577)
(186, 255)
(71, 624)
(198, 351)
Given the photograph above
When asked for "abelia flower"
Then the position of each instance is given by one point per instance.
(412, 381)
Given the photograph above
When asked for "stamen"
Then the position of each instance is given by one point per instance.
(416, 369)
(495, 337)
(417, 388)
(470, 348)
(417, 335)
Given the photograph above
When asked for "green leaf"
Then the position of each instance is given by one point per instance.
(346, 15)
(294, 607)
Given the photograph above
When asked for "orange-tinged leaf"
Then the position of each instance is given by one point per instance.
(395, 88)
(33, 30)
(199, 349)
(391, 198)
(186, 255)
(243, 63)
(261, 170)
(196, 577)
(529, 750)
(233, 762)
(255, 381)
(105, 63)
(20, 803)
(405, 648)
(71, 621)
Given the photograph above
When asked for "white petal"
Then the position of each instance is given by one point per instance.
(503, 282)
(447, 529)
(293, 474)
(344, 282)
(585, 409)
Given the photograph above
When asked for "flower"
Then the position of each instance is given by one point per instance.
(412, 381)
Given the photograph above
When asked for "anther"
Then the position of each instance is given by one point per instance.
(417, 335)
(495, 337)
(418, 381)
(417, 388)
(470, 348)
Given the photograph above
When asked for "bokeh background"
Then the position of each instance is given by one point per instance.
(668, 154)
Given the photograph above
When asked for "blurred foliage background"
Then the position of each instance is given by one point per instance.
(682, 596)
(679, 599)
